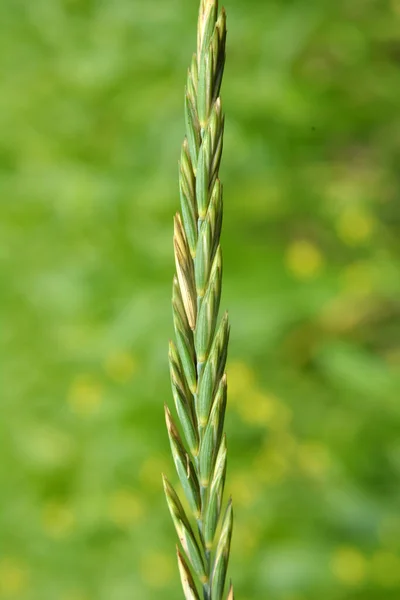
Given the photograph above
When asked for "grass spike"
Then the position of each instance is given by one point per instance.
(197, 360)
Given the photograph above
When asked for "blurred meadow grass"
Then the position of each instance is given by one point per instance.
(91, 121)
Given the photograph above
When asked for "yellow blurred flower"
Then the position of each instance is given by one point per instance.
(304, 259)
(120, 366)
(157, 569)
(84, 396)
(125, 508)
(355, 226)
(385, 569)
(13, 577)
(349, 565)
(58, 519)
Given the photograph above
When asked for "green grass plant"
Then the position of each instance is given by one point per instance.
(197, 358)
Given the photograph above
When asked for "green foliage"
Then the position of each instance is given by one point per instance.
(91, 126)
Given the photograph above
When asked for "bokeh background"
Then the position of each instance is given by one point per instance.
(91, 121)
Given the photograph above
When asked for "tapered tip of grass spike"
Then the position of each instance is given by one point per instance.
(169, 491)
(178, 514)
(188, 585)
(165, 485)
(168, 418)
(171, 427)
(230, 593)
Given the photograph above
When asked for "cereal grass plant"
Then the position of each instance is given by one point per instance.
(197, 358)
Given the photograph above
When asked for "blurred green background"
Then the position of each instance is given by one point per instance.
(91, 121)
